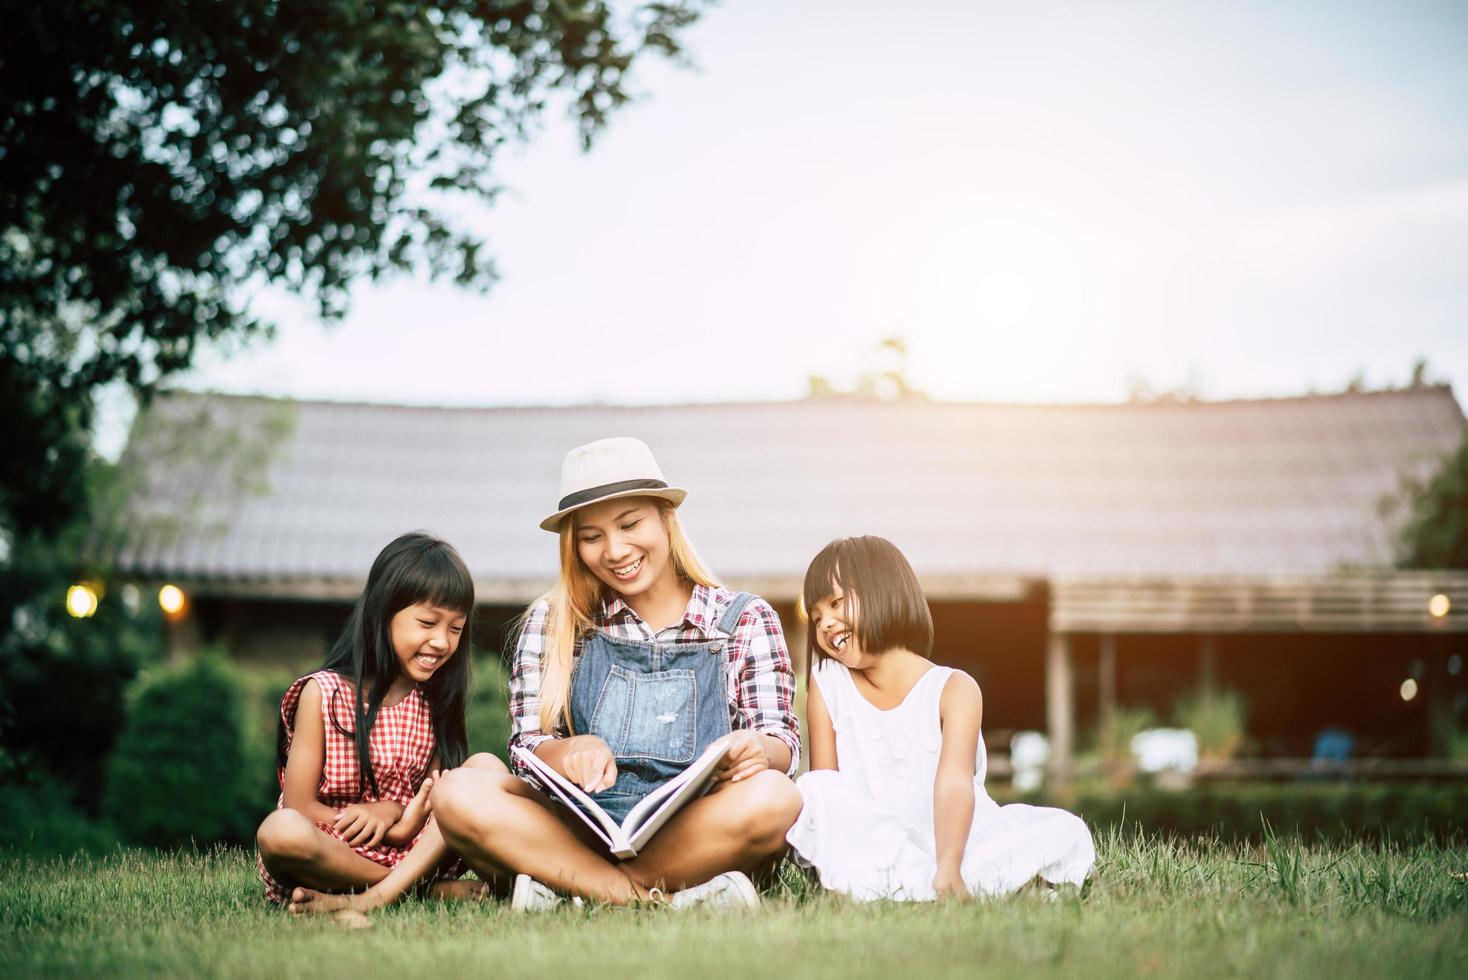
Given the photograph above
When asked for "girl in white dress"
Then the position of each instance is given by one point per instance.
(894, 804)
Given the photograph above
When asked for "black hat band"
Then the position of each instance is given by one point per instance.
(606, 490)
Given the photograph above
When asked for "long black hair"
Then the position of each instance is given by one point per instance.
(416, 567)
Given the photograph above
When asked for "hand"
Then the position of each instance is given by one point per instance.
(744, 757)
(589, 763)
(415, 814)
(419, 807)
(948, 884)
(365, 823)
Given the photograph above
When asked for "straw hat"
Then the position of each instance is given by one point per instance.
(608, 468)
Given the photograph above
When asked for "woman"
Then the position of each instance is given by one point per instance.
(634, 610)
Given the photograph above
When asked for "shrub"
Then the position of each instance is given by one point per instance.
(1343, 812)
(182, 769)
(1217, 718)
(63, 681)
(262, 688)
(488, 714)
(38, 819)
(1114, 737)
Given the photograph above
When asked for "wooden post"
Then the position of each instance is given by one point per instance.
(1059, 705)
(1440, 720)
(1107, 671)
(1207, 662)
(181, 638)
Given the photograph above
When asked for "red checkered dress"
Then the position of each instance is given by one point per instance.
(401, 746)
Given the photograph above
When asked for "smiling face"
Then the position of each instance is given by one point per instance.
(424, 637)
(833, 625)
(624, 543)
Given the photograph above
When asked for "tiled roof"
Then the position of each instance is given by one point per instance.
(297, 491)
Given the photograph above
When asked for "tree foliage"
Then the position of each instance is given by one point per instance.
(883, 376)
(157, 159)
(63, 680)
(1435, 534)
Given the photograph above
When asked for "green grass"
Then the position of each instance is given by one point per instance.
(1159, 907)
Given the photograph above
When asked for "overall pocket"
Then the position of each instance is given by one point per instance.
(648, 716)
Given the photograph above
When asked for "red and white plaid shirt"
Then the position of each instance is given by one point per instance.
(401, 747)
(401, 743)
(759, 677)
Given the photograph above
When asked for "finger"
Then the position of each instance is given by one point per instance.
(369, 830)
(376, 837)
(591, 771)
(609, 773)
(353, 825)
(749, 769)
(736, 760)
(337, 821)
(738, 754)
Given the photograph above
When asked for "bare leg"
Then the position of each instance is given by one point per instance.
(741, 827)
(463, 890)
(420, 862)
(295, 850)
(499, 824)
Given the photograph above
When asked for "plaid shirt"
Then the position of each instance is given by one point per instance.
(760, 682)
(400, 745)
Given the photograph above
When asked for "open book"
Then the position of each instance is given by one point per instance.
(650, 813)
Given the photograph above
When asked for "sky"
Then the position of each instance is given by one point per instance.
(1046, 201)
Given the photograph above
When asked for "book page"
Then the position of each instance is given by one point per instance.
(574, 797)
(653, 810)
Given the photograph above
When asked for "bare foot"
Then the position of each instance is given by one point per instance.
(460, 891)
(350, 919)
(307, 901)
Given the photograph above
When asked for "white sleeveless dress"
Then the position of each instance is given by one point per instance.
(867, 828)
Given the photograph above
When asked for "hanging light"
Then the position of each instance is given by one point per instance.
(1439, 606)
(1409, 689)
(81, 600)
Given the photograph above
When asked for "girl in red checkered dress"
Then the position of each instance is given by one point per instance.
(362, 740)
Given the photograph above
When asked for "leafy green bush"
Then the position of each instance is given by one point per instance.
(488, 714)
(38, 819)
(1114, 736)
(1329, 811)
(262, 689)
(1217, 718)
(182, 769)
(63, 681)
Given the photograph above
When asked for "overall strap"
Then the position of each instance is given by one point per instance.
(730, 619)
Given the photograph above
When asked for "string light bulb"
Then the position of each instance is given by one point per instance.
(173, 601)
(81, 601)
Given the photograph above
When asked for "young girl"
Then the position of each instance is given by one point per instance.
(361, 740)
(633, 664)
(895, 805)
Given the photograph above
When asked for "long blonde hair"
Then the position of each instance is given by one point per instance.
(575, 600)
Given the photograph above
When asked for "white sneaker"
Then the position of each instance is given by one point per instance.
(730, 890)
(531, 896)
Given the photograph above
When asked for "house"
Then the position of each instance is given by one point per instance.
(1076, 556)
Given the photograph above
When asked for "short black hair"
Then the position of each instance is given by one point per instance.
(891, 610)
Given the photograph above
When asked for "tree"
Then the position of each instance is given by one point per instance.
(1435, 534)
(883, 376)
(157, 159)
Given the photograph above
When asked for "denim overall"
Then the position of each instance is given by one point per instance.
(658, 705)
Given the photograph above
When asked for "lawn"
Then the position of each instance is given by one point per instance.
(1156, 907)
